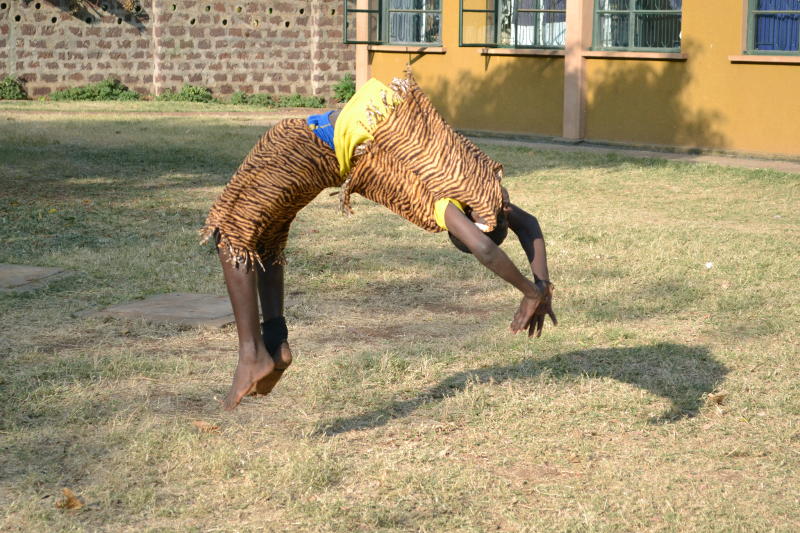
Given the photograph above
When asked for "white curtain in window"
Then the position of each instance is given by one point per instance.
(535, 29)
(405, 27)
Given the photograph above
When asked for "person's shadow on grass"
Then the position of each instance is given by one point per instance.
(679, 373)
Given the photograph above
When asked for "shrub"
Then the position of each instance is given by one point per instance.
(12, 89)
(109, 89)
(345, 88)
(298, 100)
(188, 93)
(261, 99)
(239, 98)
(242, 98)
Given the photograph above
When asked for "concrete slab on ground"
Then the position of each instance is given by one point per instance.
(22, 278)
(186, 309)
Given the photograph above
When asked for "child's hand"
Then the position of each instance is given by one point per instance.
(525, 314)
(545, 308)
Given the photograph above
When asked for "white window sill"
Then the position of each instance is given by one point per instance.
(757, 58)
(652, 56)
(407, 49)
(522, 52)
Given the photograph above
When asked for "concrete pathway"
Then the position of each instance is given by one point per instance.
(724, 160)
(186, 309)
(23, 278)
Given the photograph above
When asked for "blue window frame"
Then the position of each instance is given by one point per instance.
(774, 27)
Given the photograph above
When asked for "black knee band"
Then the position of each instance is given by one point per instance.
(274, 333)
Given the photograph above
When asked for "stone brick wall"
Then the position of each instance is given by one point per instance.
(265, 46)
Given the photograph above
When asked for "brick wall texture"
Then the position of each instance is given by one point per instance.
(260, 46)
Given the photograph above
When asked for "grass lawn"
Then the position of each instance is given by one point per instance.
(138, 106)
(666, 400)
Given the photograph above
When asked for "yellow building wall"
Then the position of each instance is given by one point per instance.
(706, 101)
(476, 92)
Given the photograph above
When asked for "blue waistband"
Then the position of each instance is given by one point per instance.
(321, 125)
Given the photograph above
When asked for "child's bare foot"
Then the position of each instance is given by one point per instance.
(249, 370)
(282, 360)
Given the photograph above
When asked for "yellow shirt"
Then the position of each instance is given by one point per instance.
(372, 103)
(439, 208)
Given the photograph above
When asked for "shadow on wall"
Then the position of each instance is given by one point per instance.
(520, 95)
(680, 373)
(641, 102)
(647, 102)
(128, 11)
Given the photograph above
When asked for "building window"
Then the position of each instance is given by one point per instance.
(393, 22)
(774, 27)
(414, 21)
(646, 25)
(513, 23)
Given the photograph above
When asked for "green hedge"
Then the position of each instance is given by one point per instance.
(241, 98)
(12, 89)
(109, 89)
(188, 93)
(345, 89)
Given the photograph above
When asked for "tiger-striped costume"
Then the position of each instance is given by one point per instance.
(414, 159)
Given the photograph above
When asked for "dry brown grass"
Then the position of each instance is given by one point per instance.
(666, 400)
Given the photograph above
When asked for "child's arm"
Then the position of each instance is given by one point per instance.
(493, 258)
(527, 229)
(529, 233)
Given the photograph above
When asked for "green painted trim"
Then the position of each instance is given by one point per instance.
(496, 29)
(630, 12)
(526, 47)
(461, 12)
(386, 11)
(496, 22)
(772, 52)
(460, 23)
(347, 11)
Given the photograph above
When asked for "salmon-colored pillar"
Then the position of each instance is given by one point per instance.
(579, 39)
(362, 50)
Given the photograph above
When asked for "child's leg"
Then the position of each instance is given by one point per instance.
(270, 292)
(254, 361)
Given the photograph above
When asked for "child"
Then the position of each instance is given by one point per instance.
(390, 145)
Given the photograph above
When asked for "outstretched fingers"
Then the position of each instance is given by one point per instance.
(536, 325)
(552, 316)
